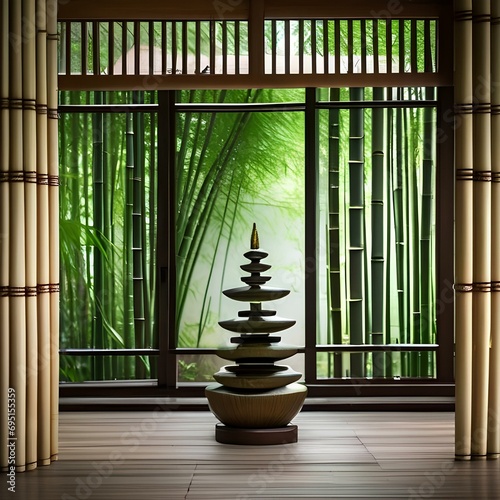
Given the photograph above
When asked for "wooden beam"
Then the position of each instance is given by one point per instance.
(179, 81)
(239, 9)
(151, 10)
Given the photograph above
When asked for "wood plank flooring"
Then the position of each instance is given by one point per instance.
(173, 455)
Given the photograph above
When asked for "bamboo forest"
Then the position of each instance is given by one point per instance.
(375, 171)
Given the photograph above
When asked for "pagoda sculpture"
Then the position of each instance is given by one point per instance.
(254, 398)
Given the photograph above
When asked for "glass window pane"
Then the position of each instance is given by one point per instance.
(377, 233)
(83, 368)
(233, 169)
(108, 232)
(416, 364)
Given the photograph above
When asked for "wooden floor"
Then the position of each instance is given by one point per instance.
(173, 455)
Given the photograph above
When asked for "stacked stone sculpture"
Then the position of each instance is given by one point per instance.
(255, 399)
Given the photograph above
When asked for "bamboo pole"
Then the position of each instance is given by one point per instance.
(415, 275)
(53, 170)
(335, 278)
(128, 305)
(377, 248)
(17, 276)
(399, 195)
(4, 231)
(112, 146)
(99, 340)
(481, 296)
(108, 276)
(152, 235)
(463, 228)
(139, 281)
(389, 358)
(85, 171)
(426, 252)
(29, 166)
(43, 242)
(356, 223)
(493, 447)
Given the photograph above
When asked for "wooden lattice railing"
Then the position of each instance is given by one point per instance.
(263, 49)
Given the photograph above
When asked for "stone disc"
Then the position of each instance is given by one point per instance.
(259, 380)
(253, 353)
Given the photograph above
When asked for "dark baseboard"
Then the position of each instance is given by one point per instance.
(376, 403)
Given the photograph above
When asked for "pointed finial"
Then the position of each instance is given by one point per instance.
(254, 240)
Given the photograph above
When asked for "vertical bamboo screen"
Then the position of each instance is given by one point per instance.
(476, 226)
(312, 46)
(327, 46)
(153, 47)
(198, 52)
(28, 234)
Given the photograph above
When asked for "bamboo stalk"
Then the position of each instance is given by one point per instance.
(70, 160)
(356, 240)
(481, 297)
(30, 206)
(112, 146)
(137, 238)
(98, 218)
(17, 276)
(411, 133)
(463, 232)
(146, 220)
(335, 323)
(86, 173)
(493, 447)
(399, 230)
(153, 231)
(377, 248)
(128, 307)
(389, 240)
(54, 268)
(108, 276)
(43, 248)
(427, 311)
(4, 233)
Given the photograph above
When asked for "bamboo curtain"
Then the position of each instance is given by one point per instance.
(29, 246)
(477, 228)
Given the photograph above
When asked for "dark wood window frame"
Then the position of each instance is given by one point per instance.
(255, 12)
(167, 383)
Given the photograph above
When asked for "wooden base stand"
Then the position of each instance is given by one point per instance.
(276, 435)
